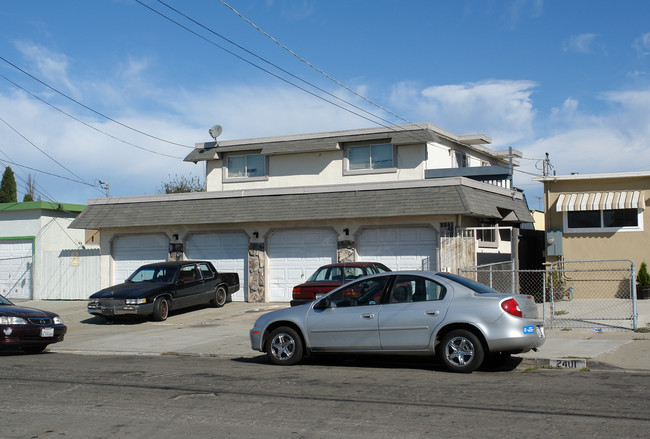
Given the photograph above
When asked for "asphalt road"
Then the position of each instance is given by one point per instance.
(58, 395)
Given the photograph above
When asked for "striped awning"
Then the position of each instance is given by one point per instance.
(600, 201)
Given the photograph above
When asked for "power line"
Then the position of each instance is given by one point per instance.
(90, 109)
(46, 154)
(86, 124)
(48, 173)
(275, 65)
(312, 66)
(252, 63)
(388, 127)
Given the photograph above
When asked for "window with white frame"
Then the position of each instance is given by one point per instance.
(246, 166)
(609, 220)
(370, 157)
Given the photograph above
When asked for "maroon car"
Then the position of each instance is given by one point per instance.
(28, 329)
(330, 276)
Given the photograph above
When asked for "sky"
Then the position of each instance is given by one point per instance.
(120, 91)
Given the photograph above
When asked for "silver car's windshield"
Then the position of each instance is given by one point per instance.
(477, 287)
(154, 274)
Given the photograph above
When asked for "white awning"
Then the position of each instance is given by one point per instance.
(600, 201)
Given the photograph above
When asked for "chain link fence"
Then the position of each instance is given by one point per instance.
(580, 295)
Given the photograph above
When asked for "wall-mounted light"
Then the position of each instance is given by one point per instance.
(175, 237)
(346, 231)
(256, 235)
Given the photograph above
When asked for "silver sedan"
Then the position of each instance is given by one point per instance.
(410, 312)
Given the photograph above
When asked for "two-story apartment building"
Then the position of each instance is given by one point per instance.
(277, 208)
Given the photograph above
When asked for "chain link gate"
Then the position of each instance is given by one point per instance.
(597, 294)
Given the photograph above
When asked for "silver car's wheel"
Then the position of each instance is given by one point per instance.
(461, 351)
(284, 346)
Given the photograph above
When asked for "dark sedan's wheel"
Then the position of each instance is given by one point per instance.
(34, 349)
(284, 346)
(461, 351)
(220, 296)
(160, 309)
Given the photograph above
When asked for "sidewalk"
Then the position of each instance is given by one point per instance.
(223, 332)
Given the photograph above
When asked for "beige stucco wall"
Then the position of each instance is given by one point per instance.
(327, 168)
(634, 245)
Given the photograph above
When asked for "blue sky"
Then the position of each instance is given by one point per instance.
(571, 78)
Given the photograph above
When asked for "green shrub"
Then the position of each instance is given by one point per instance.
(643, 278)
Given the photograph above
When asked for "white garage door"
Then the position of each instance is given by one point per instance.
(15, 269)
(294, 256)
(400, 248)
(228, 252)
(130, 252)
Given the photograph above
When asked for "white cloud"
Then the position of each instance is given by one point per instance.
(501, 109)
(588, 143)
(579, 43)
(642, 44)
(52, 67)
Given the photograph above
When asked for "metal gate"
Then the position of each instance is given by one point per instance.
(571, 295)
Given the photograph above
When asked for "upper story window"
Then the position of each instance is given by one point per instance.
(461, 159)
(246, 166)
(370, 157)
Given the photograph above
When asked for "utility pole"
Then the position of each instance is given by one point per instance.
(104, 185)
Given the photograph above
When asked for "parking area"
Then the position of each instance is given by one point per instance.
(196, 331)
(223, 332)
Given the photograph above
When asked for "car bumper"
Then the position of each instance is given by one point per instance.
(256, 339)
(19, 335)
(99, 309)
(518, 338)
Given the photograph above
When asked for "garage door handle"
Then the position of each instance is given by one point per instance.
(368, 316)
(432, 313)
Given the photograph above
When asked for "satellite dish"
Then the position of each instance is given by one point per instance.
(215, 131)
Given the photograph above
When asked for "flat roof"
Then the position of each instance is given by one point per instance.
(332, 140)
(42, 205)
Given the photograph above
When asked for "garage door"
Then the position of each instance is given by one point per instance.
(400, 248)
(15, 269)
(130, 252)
(294, 256)
(228, 252)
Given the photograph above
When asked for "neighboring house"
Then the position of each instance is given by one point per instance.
(40, 258)
(597, 216)
(277, 208)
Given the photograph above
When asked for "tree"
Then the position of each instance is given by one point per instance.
(30, 188)
(8, 191)
(182, 184)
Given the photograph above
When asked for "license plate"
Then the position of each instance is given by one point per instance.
(47, 332)
(529, 330)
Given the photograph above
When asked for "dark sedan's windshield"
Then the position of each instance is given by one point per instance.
(4, 301)
(477, 287)
(163, 275)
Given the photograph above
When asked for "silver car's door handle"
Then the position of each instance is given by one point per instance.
(432, 313)
(368, 316)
